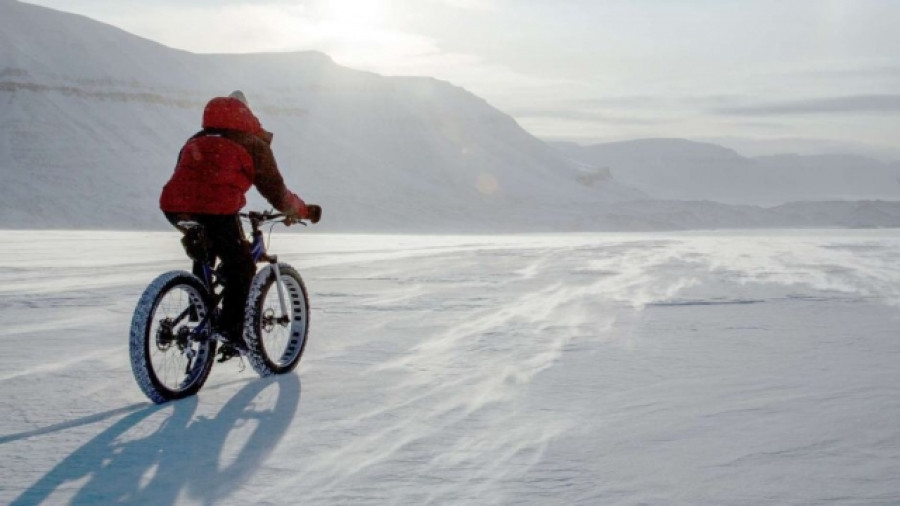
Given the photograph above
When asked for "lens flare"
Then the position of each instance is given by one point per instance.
(487, 184)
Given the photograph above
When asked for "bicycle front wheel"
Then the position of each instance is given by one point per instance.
(171, 354)
(276, 338)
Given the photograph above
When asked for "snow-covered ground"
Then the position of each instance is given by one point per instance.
(721, 368)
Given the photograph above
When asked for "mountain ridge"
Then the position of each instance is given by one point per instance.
(682, 169)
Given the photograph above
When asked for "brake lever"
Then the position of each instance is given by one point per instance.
(288, 221)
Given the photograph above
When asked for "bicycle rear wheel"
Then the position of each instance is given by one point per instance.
(171, 355)
(275, 341)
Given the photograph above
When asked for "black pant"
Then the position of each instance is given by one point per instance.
(226, 241)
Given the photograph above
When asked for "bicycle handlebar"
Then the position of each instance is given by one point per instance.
(262, 216)
(257, 218)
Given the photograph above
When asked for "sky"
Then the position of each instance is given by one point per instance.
(760, 76)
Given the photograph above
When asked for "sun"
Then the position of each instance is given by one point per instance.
(363, 34)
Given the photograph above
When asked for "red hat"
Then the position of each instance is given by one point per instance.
(230, 113)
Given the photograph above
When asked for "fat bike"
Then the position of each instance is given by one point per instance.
(174, 333)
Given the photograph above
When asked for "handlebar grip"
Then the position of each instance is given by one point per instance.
(314, 213)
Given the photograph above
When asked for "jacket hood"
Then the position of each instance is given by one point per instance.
(230, 114)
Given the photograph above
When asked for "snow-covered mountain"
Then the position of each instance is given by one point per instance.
(684, 170)
(91, 119)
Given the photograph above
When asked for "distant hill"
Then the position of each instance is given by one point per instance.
(684, 170)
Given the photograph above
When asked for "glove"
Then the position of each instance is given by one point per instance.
(313, 213)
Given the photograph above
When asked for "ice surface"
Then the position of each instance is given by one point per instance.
(548, 369)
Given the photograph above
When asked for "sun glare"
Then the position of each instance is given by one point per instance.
(361, 34)
(353, 15)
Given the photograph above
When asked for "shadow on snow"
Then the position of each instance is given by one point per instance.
(87, 420)
(183, 454)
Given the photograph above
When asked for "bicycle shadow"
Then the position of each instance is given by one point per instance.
(182, 456)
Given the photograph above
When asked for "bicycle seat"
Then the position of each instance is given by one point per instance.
(194, 241)
(186, 225)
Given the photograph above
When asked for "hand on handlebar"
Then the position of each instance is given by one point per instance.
(313, 213)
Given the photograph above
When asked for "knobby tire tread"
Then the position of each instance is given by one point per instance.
(141, 323)
(256, 354)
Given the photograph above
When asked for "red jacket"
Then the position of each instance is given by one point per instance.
(218, 165)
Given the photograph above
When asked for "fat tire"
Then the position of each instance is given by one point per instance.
(141, 339)
(297, 332)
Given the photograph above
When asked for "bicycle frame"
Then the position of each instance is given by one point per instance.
(259, 254)
(203, 270)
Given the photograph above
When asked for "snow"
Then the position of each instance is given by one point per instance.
(570, 368)
(662, 368)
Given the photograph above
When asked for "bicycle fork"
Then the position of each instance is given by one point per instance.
(258, 250)
(285, 313)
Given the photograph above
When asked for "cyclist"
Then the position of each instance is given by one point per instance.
(215, 169)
